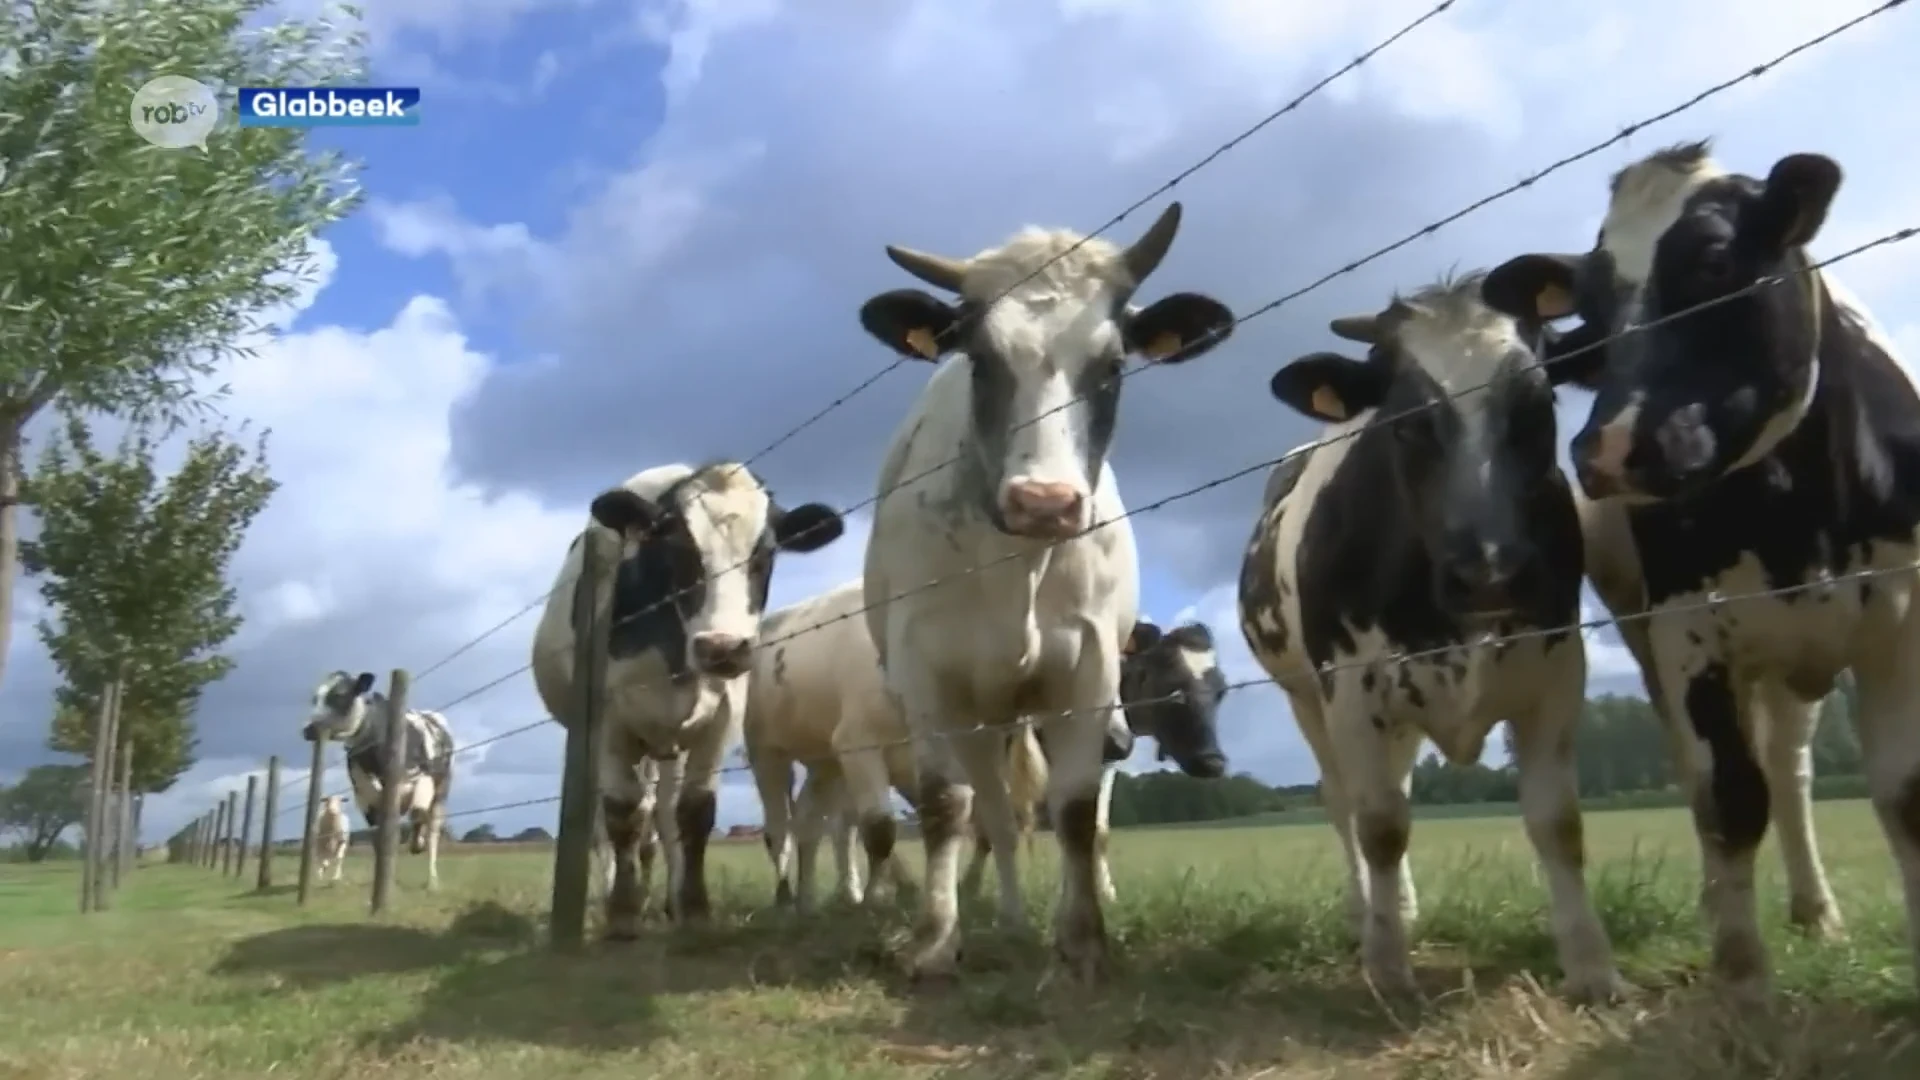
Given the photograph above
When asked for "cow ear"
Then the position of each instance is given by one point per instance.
(364, 683)
(913, 323)
(1145, 636)
(1330, 387)
(1538, 287)
(625, 512)
(807, 527)
(1193, 635)
(1800, 189)
(1175, 329)
(1577, 356)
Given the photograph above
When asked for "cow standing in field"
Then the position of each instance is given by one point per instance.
(1434, 519)
(994, 597)
(690, 554)
(331, 835)
(1770, 441)
(817, 699)
(347, 710)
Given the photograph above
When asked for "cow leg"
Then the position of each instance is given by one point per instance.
(1786, 726)
(852, 882)
(946, 807)
(1103, 874)
(1075, 742)
(1308, 714)
(436, 823)
(773, 777)
(1543, 746)
(647, 818)
(694, 812)
(984, 757)
(1728, 793)
(864, 772)
(1889, 723)
(1373, 758)
(829, 805)
(619, 809)
(977, 862)
(813, 811)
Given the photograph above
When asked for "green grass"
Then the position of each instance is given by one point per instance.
(1231, 961)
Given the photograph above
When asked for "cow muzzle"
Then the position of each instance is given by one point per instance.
(720, 655)
(1043, 509)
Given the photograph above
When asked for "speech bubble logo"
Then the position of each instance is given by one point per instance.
(174, 112)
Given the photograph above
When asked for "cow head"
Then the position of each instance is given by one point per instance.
(1470, 468)
(1045, 356)
(698, 564)
(339, 707)
(1175, 679)
(1693, 394)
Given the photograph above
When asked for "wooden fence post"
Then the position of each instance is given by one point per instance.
(268, 812)
(314, 777)
(386, 838)
(219, 834)
(124, 840)
(246, 828)
(189, 837)
(579, 790)
(231, 840)
(139, 814)
(201, 828)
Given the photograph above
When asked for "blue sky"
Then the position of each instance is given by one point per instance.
(634, 232)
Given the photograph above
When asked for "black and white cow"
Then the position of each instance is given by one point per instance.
(1771, 441)
(690, 552)
(1027, 403)
(1421, 535)
(348, 710)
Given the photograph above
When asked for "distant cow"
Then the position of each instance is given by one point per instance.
(689, 553)
(349, 711)
(1770, 441)
(331, 836)
(995, 597)
(1433, 519)
(818, 700)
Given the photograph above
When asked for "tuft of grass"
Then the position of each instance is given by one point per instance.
(1232, 958)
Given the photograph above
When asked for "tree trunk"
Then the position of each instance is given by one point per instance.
(10, 469)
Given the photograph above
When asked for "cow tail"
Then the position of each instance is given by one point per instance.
(1026, 779)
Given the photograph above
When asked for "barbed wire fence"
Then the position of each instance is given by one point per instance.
(214, 840)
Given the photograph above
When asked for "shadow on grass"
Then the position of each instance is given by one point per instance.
(306, 957)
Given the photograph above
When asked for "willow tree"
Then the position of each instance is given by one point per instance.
(135, 568)
(131, 273)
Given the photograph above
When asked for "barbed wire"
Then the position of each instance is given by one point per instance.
(1353, 266)
(1178, 178)
(1888, 239)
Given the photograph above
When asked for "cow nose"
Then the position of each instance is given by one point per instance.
(307, 733)
(1686, 442)
(1042, 507)
(1210, 765)
(725, 655)
(1483, 582)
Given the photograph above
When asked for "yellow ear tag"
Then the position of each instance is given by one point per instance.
(920, 340)
(1164, 345)
(1553, 302)
(1327, 403)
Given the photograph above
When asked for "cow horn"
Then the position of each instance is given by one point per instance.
(1362, 328)
(936, 270)
(1143, 258)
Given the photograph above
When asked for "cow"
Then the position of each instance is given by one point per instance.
(331, 836)
(1769, 441)
(992, 594)
(817, 699)
(346, 709)
(688, 553)
(1418, 576)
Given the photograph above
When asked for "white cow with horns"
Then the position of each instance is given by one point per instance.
(993, 595)
(689, 552)
(347, 710)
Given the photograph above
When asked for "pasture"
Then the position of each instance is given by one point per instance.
(1233, 960)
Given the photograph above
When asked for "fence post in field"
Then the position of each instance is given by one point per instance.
(579, 794)
(124, 839)
(231, 839)
(386, 837)
(189, 842)
(267, 814)
(246, 828)
(201, 842)
(219, 834)
(99, 777)
(313, 812)
(138, 804)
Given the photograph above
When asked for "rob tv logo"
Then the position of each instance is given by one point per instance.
(329, 106)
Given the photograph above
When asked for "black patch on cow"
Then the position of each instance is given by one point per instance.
(366, 756)
(1285, 475)
(1736, 814)
(695, 815)
(1262, 602)
(1169, 703)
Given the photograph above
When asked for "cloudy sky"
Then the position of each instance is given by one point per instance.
(635, 232)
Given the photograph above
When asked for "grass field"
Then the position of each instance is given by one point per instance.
(1232, 961)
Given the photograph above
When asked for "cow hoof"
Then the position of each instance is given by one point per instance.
(1084, 960)
(1603, 988)
(625, 927)
(1819, 922)
(1393, 979)
(782, 895)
